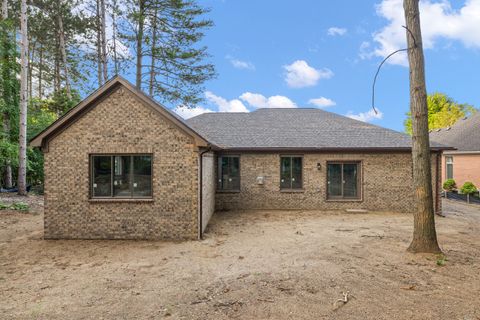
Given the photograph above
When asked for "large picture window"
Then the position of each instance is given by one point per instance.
(343, 180)
(449, 167)
(228, 173)
(291, 172)
(121, 176)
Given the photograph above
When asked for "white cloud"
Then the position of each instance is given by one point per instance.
(259, 101)
(187, 113)
(366, 116)
(221, 104)
(224, 105)
(322, 102)
(438, 19)
(240, 64)
(366, 50)
(299, 74)
(336, 31)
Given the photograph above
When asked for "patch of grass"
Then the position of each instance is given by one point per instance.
(20, 206)
(4, 206)
(441, 260)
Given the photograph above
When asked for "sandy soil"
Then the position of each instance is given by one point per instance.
(252, 265)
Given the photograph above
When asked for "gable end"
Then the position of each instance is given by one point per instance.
(116, 83)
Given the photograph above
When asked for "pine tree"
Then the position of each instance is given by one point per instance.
(169, 60)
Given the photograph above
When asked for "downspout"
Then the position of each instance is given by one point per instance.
(438, 175)
(200, 202)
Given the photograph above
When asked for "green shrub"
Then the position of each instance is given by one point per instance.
(20, 206)
(449, 185)
(441, 260)
(468, 188)
(4, 206)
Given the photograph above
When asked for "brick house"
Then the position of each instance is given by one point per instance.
(462, 164)
(121, 166)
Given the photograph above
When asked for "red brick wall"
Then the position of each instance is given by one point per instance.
(466, 167)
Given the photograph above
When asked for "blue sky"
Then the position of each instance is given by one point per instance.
(311, 53)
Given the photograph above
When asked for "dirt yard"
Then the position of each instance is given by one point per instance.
(251, 265)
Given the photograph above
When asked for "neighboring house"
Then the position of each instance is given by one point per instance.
(121, 166)
(462, 164)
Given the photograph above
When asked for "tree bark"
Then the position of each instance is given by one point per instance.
(114, 35)
(103, 40)
(141, 19)
(4, 9)
(152, 62)
(424, 234)
(99, 46)
(30, 69)
(56, 75)
(40, 71)
(63, 50)
(22, 157)
(6, 115)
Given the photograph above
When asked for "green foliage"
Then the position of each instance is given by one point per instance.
(443, 112)
(39, 117)
(449, 185)
(468, 188)
(41, 113)
(8, 152)
(9, 84)
(441, 260)
(34, 166)
(20, 206)
(55, 105)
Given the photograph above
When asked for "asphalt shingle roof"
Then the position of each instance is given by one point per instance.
(464, 135)
(294, 128)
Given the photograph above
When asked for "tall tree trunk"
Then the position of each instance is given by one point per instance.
(56, 72)
(104, 40)
(40, 71)
(22, 157)
(114, 35)
(141, 20)
(424, 234)
(57, 79)
(154, 47)
(99, 46)
(6, 115)
(30, 69)
(63, 50)
(4, 9)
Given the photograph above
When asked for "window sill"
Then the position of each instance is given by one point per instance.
(101, 200)
(228, 191)
(292, 190)
(345, 200)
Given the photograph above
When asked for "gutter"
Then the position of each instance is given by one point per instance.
(326, 150)
(200, 183)
(438, 177)
(461, 152)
